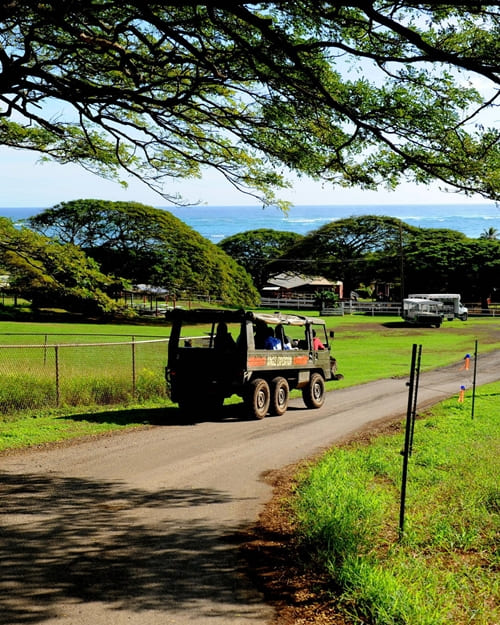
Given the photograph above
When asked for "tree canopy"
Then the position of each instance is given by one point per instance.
(372, 249)
(355, 250)
(447, 261)
(147, 246)
(49, 273)
(254, 249)
(353, 93)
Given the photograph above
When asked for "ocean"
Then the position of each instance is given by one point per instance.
(217, 222)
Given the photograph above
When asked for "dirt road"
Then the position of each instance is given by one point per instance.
(142, 528)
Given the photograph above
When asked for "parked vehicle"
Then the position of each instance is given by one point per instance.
(235, 355)
(422, 311)
(452, 306)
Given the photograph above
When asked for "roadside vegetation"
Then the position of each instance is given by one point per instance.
(442, 569)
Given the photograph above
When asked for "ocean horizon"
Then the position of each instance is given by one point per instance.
(218, 222)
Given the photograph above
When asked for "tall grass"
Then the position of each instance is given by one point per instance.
(442, 571)
(41, 370)
(21, 392)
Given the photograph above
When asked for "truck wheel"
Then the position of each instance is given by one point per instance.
(213, 406)
(258, 399)
(280, 392)
(314, 393)
(189, 410)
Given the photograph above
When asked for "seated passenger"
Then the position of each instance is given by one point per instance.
(260, 334)
(271, 341)
(282, 337)
(317, 344)
(223, 339)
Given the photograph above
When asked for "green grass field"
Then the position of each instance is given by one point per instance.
(46, 366)
(370, 348)
(443, 569)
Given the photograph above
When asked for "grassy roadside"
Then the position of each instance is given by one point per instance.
(346, 509)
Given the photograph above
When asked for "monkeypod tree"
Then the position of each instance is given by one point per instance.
(440, 260)
(355, 250)
(149, 246)
(254, 249)
(352, 93)
(48, 273)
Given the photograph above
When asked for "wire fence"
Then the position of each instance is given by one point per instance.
(39, 373)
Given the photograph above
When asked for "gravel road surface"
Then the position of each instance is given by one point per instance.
(141, 528)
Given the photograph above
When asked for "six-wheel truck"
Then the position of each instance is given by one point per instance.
(214, 354)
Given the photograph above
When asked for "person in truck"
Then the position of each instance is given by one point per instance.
(317, 344)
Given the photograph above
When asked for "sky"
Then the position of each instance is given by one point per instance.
(26, 182)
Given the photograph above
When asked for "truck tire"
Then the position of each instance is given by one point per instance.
(258, 398)
(280, 392)
(314, 393)
(189, 410)
(213, 406)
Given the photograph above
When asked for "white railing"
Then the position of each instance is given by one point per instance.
(351, 307)
(342, 308)
(292, 303)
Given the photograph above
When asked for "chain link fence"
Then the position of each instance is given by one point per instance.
(49, 371)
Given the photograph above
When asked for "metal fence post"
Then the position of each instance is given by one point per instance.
(133, 368)
(415, 395)
(406, 451)
(56, 352)
(474, 381)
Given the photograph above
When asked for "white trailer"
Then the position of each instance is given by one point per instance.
(452, 306)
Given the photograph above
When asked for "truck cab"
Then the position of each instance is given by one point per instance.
(214, 354)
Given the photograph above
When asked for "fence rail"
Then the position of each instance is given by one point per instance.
(49, 375)
(292, 303)
(352, 307)
(342, 308)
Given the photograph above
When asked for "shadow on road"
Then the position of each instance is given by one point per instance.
(68, 540)
(167, 416)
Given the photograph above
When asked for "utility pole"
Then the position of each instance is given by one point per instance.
(401, 261)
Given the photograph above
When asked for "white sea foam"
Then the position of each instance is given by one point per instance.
(218, 222)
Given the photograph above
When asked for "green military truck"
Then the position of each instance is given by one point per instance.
(257, 356)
